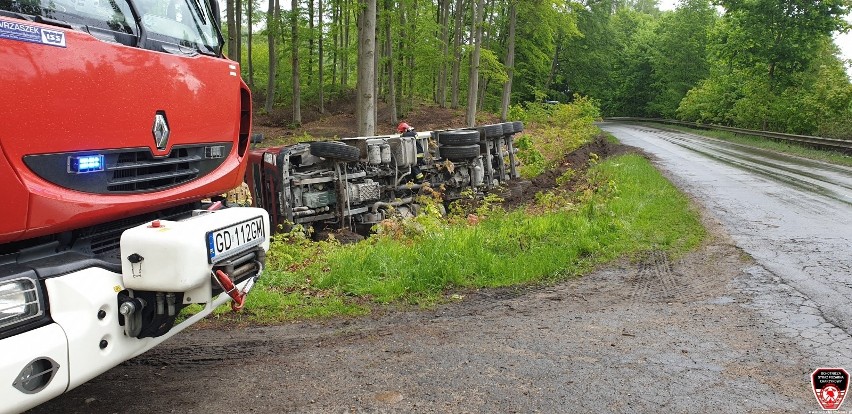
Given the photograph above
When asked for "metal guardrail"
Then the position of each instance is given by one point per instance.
(827, 143)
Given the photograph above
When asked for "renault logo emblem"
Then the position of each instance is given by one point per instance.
(161, 130)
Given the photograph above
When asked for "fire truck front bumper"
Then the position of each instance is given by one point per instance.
(83, 325)
(82, 343)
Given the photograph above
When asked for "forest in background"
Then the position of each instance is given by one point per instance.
(760, 64)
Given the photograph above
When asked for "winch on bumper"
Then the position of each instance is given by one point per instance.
(167, 265)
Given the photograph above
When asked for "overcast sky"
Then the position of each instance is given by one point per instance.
(844, 41)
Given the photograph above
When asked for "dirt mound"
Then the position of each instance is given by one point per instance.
(519, 192)
(344, 236)
(338, 121)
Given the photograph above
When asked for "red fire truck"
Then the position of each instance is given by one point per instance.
(122, 122)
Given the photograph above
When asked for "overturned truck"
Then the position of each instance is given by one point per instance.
(356, 182)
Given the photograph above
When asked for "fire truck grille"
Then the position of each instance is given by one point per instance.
(131, 170)
(138, 171)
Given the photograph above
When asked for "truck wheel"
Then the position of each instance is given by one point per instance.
(492, 131)
(508, 128)
(335, 150)
(519, 126)
(459, 153)
(458, 137)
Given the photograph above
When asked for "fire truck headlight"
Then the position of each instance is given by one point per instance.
(20, 301)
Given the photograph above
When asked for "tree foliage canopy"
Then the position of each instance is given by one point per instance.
(751, 63)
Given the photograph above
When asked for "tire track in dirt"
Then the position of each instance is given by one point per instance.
(656, 280)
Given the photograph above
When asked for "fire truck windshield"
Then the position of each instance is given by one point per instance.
(185, 23)
(188, 23)
(111, 15)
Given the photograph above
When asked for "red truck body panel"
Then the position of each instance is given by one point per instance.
(93, 95)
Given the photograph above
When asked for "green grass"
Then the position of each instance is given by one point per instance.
(633, 210)
(628, 210)
(833, 157)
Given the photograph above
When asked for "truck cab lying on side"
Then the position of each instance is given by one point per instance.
(122, 124)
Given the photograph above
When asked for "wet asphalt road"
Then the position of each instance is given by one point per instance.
(793, 216)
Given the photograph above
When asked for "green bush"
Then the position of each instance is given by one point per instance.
(553, 130)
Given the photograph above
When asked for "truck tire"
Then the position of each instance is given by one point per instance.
(492, 131)
(335, 150)
(458, 137)
(459, 153)
(519, 126)
(508, 128)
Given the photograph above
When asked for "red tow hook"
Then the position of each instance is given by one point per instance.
(238, 297)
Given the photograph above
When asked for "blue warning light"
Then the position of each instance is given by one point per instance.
(81, 164)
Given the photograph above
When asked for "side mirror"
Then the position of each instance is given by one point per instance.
(217, 14)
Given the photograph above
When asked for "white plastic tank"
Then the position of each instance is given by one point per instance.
(410, 145)
(177, 256)
(405, 152)
(385, 153)
(478, 173)
(374, 154)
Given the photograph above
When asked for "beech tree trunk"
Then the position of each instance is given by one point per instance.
(249, 61)
(344, 72)
(335, 24)
(297, 91)
(232, 29)
(411, 69)
(272, 19)
(459, 10)
(310, 42)
(321, 62)
(394, 117)
(402, 46)
(510, 63)
(473, 79)
(366, 98)
(238, 30)
(445, 46)
(376, 52)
